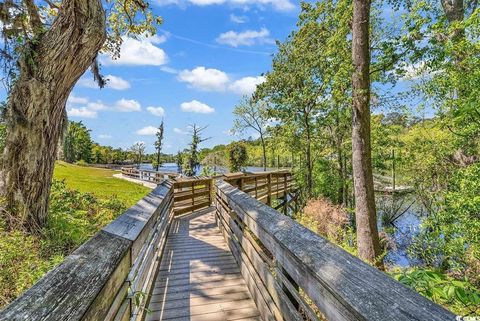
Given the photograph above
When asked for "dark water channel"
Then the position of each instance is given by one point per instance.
(400, 217)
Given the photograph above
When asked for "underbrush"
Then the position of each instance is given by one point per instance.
(455, 291)
(72, 219)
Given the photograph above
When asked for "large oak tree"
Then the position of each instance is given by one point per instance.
(47, 47)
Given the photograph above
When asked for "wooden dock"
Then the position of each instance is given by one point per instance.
(199, 278)
(172, 256)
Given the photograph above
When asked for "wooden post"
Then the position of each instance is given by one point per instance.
(256, 188)
(269, 188)
(193, 194)
(285, 194)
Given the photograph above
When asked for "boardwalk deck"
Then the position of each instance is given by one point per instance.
(198, 278)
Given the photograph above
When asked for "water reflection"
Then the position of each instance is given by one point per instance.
(400, 216)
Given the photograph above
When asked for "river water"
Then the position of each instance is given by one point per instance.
(402, 229)
(173, 168)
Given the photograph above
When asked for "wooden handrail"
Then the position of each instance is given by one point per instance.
(295, 274)
(100, 280)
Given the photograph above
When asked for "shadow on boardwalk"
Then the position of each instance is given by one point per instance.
(198, 278)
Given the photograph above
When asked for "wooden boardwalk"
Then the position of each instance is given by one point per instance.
(198, 278)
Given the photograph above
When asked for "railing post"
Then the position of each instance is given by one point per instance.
(269, 187)
(285, 194)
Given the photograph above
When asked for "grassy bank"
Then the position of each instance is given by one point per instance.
(99, 182)
(82, 201)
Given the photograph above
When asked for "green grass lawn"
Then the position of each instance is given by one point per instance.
(99, 182)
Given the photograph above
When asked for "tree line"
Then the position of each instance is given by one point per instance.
(78, 147)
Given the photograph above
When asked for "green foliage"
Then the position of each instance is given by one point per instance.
(77, 145)
(74, 217)
(191, 159)
(237, 157)
(3, 136)
(22, 263)
(450, 237)
(460, 296)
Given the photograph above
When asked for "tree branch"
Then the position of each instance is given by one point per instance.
(35, 20)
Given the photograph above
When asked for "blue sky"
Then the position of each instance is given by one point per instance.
(206, 55)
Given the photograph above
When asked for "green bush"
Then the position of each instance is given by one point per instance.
(450, 238)
(81, 163)
(460, 297)
(21, 263)
(72, 219)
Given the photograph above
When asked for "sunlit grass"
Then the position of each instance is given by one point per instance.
(99, 182)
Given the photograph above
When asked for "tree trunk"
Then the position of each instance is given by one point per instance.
(366, 218)
(36, 107)
(309, 160)
(158, 160)
(264, 151)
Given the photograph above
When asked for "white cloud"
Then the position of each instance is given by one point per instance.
(205, 79)
(98, 105)
(280, 5)
(81, 112)
(104, 136)
(125, 105)
(228, 132)
(195, 106)
(72, 100)
(238, 19)
(116, 83)
(113, 82)
(180, 131)
(245, 38)
(246, 85)
(206, 2)
(157, 111)
(139, 52)
(147, 131)
(169, 70)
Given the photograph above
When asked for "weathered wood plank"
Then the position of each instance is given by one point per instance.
(67, 292)
(198, 274)
(342, 286)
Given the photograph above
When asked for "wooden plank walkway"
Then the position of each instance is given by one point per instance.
(198, 278)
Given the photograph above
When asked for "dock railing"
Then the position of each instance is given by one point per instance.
(291, 272)
(110, 276)
(146, 175)
(295, 274)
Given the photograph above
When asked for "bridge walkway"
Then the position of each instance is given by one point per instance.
(198, 278)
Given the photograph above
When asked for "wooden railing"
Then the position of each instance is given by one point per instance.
(147, 176)
(108, 277)
(262, 186)
(294, 274)
(192, 195)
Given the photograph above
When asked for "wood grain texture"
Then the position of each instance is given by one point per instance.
(67, 292)
(92, 282)
(198, 279)
(341, 286)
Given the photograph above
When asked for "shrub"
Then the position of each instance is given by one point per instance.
(21, 263)
(459, 296)
(81, 163)
(74, 217)
(237, 157)
(330, 221)
(450, 237)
